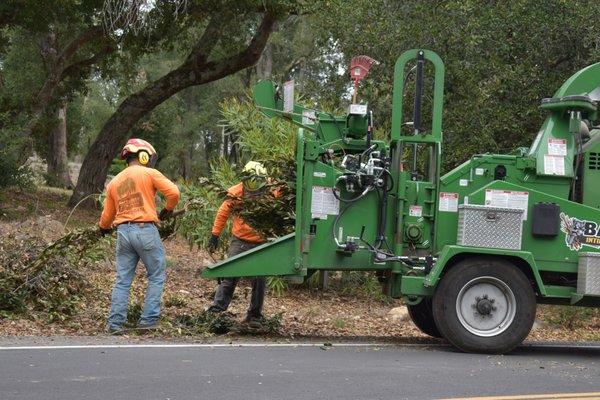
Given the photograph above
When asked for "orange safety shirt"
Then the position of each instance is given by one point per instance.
(240, 229)
(130, 196)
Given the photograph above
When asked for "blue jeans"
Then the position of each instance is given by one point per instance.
(135, 242)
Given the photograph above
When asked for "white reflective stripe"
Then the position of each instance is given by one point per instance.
(206, 345)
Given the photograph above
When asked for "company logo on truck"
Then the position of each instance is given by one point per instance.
(579, 233)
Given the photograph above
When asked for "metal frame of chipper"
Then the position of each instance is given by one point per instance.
(471, 252)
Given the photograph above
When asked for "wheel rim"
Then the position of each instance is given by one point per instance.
(486, 306)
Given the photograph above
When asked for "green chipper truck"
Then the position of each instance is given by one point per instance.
(471, 252)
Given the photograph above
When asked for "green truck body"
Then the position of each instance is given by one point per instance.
(408, 230)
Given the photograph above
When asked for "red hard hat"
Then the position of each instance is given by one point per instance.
(133, 146)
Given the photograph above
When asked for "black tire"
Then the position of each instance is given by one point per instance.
(502, 300)
(422, 316)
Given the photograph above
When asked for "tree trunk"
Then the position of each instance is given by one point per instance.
(55, 76)
(196, 70)
(58, 163)
(233, 148)
(264, 67)
(224, 143)
(186, 155)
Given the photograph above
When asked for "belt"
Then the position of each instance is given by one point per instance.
(140, 223)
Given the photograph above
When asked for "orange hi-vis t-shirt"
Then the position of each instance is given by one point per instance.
(130, 196)
(240, 229)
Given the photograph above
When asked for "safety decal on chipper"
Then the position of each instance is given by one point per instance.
(323, 202)
(508, 199)
(448, 202)
(579, 233)
(557, 147)
(554, 165)
(415, 211)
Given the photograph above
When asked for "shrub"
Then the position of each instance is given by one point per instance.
(12, 173)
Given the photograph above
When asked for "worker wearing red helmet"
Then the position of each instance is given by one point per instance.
(130, 206)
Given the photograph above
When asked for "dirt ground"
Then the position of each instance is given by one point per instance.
(348, 312)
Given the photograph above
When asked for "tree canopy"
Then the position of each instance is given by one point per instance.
(174, 81)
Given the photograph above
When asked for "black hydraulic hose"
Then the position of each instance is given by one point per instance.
(335, 222)
(369, 129)
(576, 172)
(354, 199)
(367, 151)
(334, 229)
(382, 213)
(393, 183)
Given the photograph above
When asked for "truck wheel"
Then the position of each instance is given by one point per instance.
(484, 305)
(422, 316)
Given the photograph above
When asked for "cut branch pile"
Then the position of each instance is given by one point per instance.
(50, 279)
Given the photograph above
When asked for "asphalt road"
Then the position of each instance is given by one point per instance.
(291, 372)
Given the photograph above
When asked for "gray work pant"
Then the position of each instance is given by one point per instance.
(227, 286)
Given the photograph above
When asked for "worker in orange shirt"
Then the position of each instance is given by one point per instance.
(130, 206)
(244, 238)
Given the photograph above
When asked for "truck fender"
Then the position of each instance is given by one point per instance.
(451, 254)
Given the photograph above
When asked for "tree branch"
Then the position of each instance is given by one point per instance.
(93, 32)
(246, 58)
(79, 65)
(207, 42)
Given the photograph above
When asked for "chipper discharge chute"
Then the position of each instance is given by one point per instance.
(471, 252)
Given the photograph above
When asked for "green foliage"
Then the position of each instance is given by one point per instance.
(205, 322)
(277, 285)
(175, 300)
(201, 202)
(262, 139)
(268, 140)
(354, 283)
(117, 166)
(134, 312)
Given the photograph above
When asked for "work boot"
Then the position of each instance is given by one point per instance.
(115, 331)
(213, 309)
(254, 322)
(148, 327)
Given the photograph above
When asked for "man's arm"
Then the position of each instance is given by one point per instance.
(222, 216)
(109, 211)
(166, 187)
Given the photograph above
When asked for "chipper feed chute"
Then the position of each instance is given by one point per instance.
(272, 258)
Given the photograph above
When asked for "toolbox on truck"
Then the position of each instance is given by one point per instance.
(493, 227)
(588, 276)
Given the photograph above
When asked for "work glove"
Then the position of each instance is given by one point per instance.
(213, 243)
(105, 231)
(165, 214)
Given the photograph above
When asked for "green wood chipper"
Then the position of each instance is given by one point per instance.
(471, 252)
